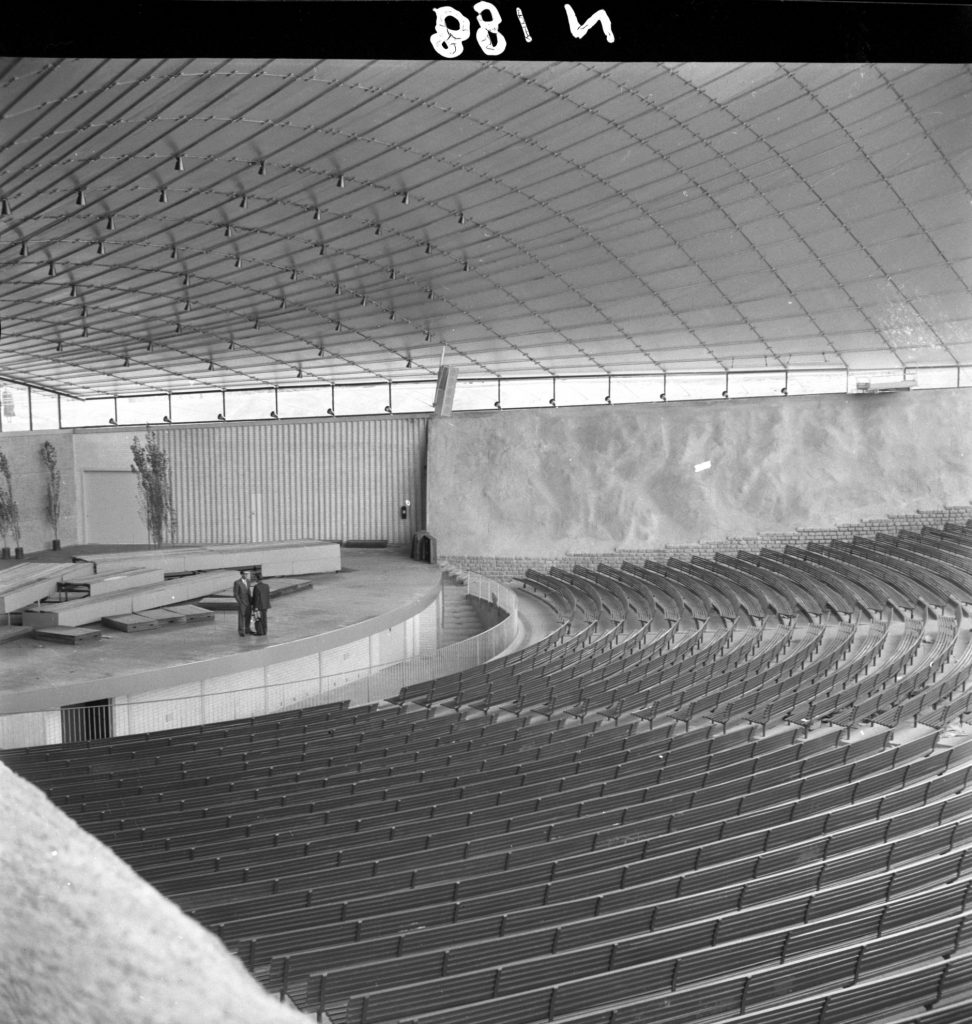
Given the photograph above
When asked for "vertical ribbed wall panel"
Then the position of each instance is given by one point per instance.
(238, 483)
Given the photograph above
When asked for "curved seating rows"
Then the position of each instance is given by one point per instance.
(728, 788)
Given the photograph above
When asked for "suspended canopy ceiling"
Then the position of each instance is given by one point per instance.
(177, 224)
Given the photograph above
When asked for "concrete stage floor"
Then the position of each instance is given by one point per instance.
(372, 581)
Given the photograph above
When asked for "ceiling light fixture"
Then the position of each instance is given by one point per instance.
(405, 199)
(273, 414)
(363, 300)
(293, 273)
(377, 229)
(150, 345)
(462, 218)
(243, 202)
(321, 253)
(228, 233)
(101, 248)
(391, 274)
(80, 201)
(172, 252)
(188, 306)
(185, 280)
(23, 248)
(340, 181)
(74, 291)
(111, 222)
(317, 213)
(239, 262)
(178, 163)
(337, 325)
(263, 168)
(127, 362)
(4, 208)
(84, 331)
(300, 372)
(428, 248)
(163, 198)
(50, 269)
(178, 328)
(428, 338)
(212, 365)
(60, 345)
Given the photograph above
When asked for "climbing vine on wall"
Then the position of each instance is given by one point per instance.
(9, 511)
(151, 465)
(49, 457)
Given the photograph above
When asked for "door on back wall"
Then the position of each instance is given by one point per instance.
(111, 512)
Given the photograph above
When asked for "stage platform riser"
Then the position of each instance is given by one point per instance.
(284, 559)
(126, 602)
(30, 582)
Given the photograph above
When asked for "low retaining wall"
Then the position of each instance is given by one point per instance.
(510, 567)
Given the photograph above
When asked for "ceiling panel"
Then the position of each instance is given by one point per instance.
(344, 220)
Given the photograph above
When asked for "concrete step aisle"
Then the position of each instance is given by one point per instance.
(459, 617)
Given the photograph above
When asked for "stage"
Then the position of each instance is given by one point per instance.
(379, 584)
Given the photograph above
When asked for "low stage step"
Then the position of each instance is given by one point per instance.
(66, 634)
(132, 623)
(8, 633)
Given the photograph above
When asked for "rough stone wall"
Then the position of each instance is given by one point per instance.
(543, 485)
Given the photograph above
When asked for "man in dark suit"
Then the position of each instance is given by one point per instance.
(261, 605)
(241, 595)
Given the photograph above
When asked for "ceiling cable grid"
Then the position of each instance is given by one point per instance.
(626, 218)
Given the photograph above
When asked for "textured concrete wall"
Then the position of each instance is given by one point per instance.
(549, 481)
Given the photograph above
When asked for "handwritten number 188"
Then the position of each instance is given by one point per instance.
(452, 29)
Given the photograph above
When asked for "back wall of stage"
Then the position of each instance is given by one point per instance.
(233, 483)
(526, 481)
